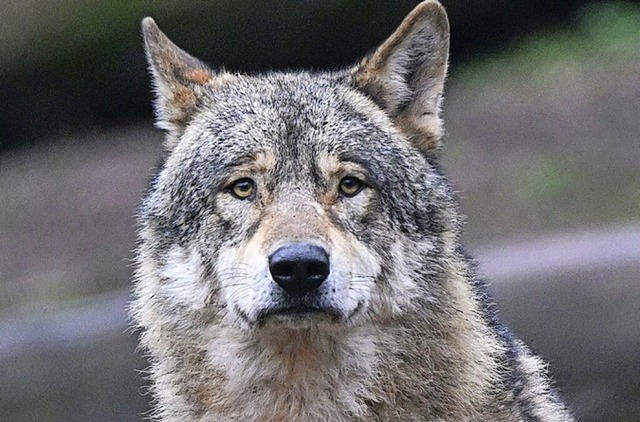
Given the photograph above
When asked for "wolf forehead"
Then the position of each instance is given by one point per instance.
(300, 110)
(292, 122)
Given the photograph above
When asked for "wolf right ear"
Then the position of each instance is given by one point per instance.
(405, 75)
(178, 78)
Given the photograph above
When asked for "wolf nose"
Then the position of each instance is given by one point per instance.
(299, 268)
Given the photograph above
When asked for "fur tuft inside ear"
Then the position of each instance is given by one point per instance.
(405, 75)
(178, 78)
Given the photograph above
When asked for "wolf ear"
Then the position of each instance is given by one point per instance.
(405, 75)
(178, 78)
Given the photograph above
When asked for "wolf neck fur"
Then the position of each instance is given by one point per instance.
(288, 373)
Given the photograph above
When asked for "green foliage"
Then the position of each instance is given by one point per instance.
(608, 30)
(545, 178)
(611, 26)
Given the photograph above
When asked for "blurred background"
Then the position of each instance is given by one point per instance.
(543, 118)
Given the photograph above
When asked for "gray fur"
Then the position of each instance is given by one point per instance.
(405, 330)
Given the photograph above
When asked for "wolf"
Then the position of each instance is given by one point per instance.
(299, 253)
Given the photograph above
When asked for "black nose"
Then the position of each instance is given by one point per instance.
(299, 268)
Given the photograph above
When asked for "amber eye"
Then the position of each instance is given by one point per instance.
(243, 188)
(350, 186)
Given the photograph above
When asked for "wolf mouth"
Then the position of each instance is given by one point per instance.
(300, 312)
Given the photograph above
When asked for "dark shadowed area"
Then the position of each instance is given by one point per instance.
(543, 127)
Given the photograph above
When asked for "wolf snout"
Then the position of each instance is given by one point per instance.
(299, 268)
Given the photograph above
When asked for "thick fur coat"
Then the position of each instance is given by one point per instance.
(299, 254)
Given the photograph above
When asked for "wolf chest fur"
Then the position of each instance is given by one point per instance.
(299, 255)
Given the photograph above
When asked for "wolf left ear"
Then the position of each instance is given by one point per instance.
(179, 80)
(405, 75)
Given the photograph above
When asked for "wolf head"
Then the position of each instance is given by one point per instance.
(296, 200)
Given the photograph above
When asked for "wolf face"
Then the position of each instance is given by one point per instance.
(290, 199)
(295, 206)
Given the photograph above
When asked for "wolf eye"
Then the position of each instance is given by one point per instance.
(243, 188)
(350, 186)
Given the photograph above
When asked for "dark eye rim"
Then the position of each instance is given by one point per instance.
(233, 184)
(360, 182)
